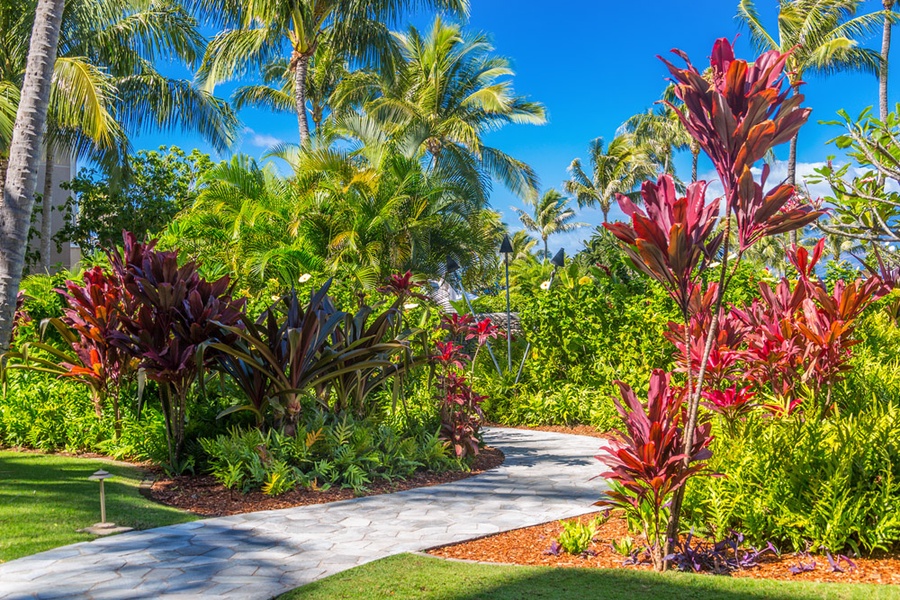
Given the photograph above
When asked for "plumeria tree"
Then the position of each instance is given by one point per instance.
(736, 116)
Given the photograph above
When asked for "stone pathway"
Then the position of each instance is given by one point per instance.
(546, 476)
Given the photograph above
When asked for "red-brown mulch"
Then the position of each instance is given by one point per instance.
(527, 547)
(203, 495)
(587, 430)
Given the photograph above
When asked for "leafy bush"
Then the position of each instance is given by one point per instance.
(567, 404)
(832, 483)
(586, 331)
(43, 412)
(325, 451)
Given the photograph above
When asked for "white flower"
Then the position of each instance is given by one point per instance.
(410, 305)
(545, 285)
(275, 297)
(304, 278)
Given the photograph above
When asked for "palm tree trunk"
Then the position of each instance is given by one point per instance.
(4, 165)
(695, 160)
(46, 212)
(792, 177)
(546, 248)
(605, 209)
(24, 154)
(883, 71)
(885, 54)
(301, 68)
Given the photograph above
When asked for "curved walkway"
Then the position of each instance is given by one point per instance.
(546, 476)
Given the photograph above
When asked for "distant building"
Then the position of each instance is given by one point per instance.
(64, 169)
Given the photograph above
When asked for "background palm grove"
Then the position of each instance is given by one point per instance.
(746, 329)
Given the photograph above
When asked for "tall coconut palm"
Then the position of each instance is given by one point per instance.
(287, 33)
(826, 35)
(449, 90)
(660, 131)
(25, 148)
(550, 214)
(615, 169)
(522, 245)
(885, 55)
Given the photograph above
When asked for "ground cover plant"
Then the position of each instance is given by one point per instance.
(45, 498)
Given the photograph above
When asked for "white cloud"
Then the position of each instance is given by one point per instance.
(260, 140)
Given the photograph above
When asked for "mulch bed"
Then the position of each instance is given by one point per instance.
(203, 495)
(528, 546)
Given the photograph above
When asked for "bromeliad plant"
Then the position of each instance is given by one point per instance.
(736, 116)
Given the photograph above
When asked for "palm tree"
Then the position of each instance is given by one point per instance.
(660, 131)
(523, 245)
(825, 33)
(550, 214)
(885, 55)
(25, 147)
(285, 35)
(105, 85)
(615, 169)
(448, 91)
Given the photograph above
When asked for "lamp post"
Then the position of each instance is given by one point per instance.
(558, 261)
(506, 249)
(103, 527)
(101, 476)
(453, 267)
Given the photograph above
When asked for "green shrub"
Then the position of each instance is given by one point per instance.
(832, 483)
(568, 404)
(326, 451)
(586, 331)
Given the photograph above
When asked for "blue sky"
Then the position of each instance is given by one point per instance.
(593, 64)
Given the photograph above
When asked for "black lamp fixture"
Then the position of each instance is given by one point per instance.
(506, 249)
(452, 266)
(506, 245)
(559, 260)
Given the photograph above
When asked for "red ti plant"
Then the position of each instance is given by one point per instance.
(736, 117)
(646, 460)
(802, 333)
(461, 414)
(403, 287)
(732, 403)
(91, 319)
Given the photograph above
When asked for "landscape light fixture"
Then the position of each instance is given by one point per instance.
(102, 528)
(101, 476)
(506, 249)
(558, 261)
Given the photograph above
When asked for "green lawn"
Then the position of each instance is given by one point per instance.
(412, 576)
(45, 498)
